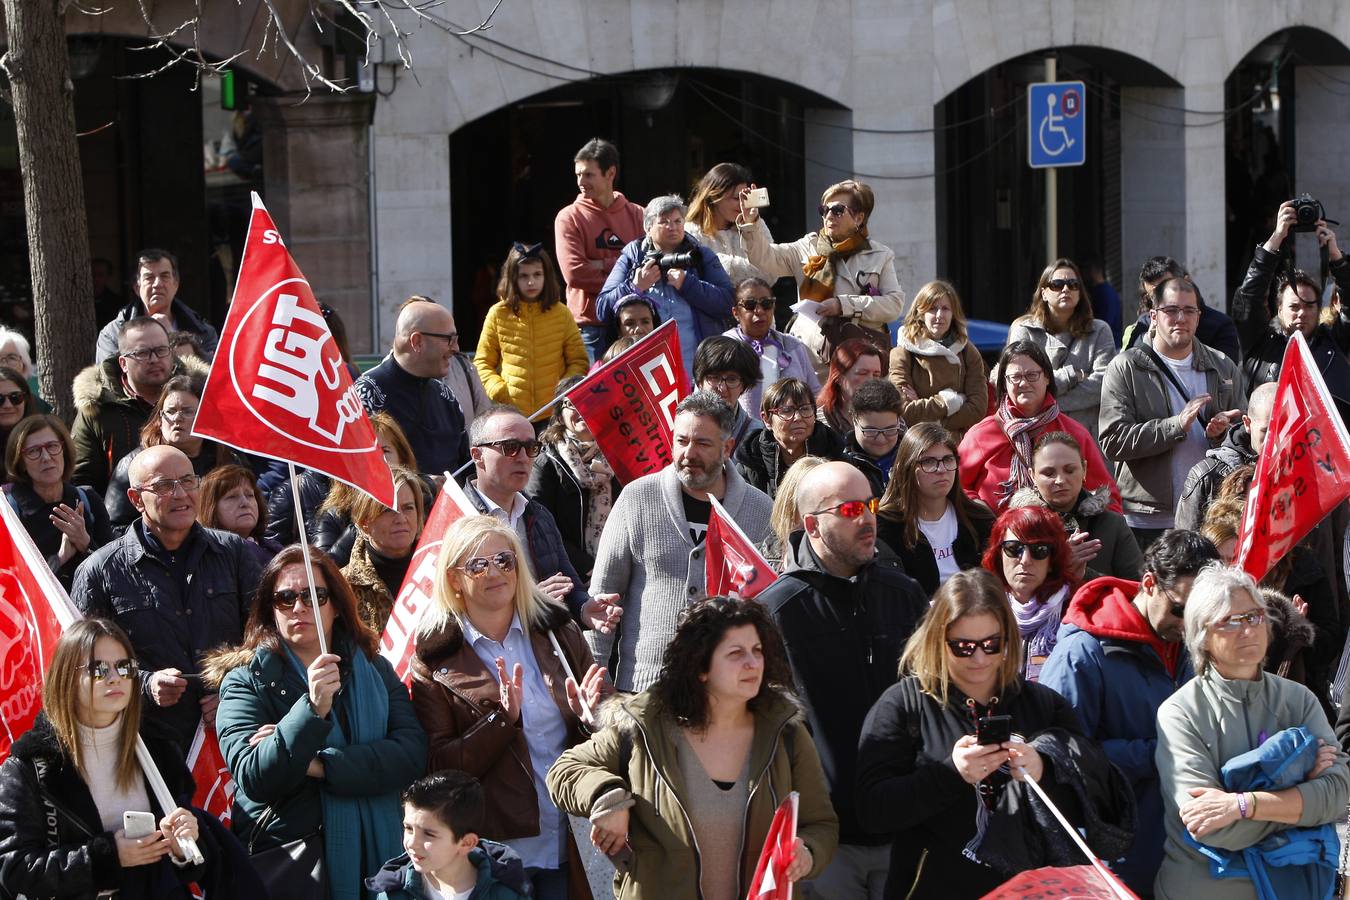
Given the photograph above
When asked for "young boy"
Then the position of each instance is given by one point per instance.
(877, 429)
(442, 814)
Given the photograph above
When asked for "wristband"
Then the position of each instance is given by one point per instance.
(1242, 805)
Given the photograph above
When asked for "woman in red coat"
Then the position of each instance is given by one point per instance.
(995, 455)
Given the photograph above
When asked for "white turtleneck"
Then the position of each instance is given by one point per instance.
(98, 748)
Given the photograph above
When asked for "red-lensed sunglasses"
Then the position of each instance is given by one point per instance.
(851, 509)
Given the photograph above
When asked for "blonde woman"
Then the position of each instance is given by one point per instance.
(495, 697)
(939, 372)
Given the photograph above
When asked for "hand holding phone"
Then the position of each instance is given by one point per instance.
(993, 730)
(137, 825)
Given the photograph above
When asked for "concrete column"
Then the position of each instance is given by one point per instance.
(1322, 133)
(1206, 212)
(1152, 181)
(318, 191)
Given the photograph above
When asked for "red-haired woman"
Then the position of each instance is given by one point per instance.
(1028, 552)
(853, 362)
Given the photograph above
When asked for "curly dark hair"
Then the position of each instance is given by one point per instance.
(689, 655)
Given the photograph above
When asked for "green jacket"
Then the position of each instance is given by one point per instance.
(636, 752)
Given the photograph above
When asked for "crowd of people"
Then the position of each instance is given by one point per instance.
(985, 576)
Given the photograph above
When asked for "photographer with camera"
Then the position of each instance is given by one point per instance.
(1298, 297)
(682, 278)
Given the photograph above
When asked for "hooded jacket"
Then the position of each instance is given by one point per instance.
(759, 463)
(1079, 397)
(636, 752)
(1120, 556)
(588, 239)
(500, 876)
(844, 637)
(929, 367)
(1204, 478)
(1115, 672)
(1216, 329)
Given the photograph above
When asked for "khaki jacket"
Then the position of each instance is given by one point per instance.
(929, 367)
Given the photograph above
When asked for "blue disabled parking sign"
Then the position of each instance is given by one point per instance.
(1056, 134)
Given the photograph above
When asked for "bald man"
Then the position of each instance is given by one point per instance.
(408, 385)
(845, 614)
(178, 589)
(1241, 445)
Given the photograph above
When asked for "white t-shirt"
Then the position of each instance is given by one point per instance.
(941, 537)
(1187, 453)
(433, 894)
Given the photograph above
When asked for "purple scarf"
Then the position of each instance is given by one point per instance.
(1038, 621)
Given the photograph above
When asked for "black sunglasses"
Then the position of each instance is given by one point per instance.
(512, 447)
(286, 599)
(15, 398)
(1175, 608)
(99, 669)
(765, 303)
(834, 209)
(1059, 284)
(964, 649)
(1015, 549)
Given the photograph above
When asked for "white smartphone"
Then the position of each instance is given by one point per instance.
(138, 824)
(757, 198)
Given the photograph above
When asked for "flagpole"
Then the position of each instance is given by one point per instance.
(567, 669)
(166, 802)
(1077, 838)
(796, 798)
(309, 563)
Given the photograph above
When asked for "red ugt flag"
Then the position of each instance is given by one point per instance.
(215, 784)
(771, 881)
(733, 566)
(278, 386)
(415, 594)
(1304, 467)
(629, 403)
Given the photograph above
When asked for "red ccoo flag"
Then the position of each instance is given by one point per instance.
(629, 403)
(1304, 467)
(399, 639)
(278, 385)
(771, 881)
(733, 566)
(215, 784)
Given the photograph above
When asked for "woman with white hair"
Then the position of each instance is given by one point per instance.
(1231, 709)
(683, 279)
(17, 354)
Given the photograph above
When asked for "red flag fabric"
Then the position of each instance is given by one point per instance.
(278, 385)
(33, 612)
(629, 403)
(1067, 882)
(734, 566)
(414, 595)
(771, 881)
(1304, 468)
(215, 784)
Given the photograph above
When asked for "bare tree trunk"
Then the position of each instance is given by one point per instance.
(53, 193)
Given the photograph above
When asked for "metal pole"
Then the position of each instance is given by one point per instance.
(1051, 190)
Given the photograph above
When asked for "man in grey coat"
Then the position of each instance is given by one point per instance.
(651, 552)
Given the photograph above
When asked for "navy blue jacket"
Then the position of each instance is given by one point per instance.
(424, 408)
(707, 289)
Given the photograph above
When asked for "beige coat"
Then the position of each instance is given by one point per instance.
(928, 367)
(1079, 364)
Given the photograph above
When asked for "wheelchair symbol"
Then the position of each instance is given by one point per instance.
(1054, 138)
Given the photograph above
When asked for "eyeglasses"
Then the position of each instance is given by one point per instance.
(1015, 549)
(723, 381)
(788, 413)
(13, 398)
(13, 360)
(1023, 377)
(51, 448)
(448, 336)
(1059, 284)
(173, 415)
(1253, 619)
(286, 599)
(148, 353)
(764, 303)
(1177, 312)
(670, 224)
(100, 669)
(851, 509)
(934, 464)
(167, 487)
(834, 209)
(510, 447)
(964, 648)
(504, 561)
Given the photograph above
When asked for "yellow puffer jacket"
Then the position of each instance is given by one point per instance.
(521, 358)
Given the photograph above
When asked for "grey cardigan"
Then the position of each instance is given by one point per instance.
(1078, 397)
(647, 557)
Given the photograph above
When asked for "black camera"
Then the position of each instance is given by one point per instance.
(1308, 212)
(668, 261)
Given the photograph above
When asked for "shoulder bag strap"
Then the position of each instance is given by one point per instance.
(1176, 382)
(53, 808)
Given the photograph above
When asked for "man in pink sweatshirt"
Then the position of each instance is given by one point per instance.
(590, 233)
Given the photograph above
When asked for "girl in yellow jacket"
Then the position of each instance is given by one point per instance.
(529, 341)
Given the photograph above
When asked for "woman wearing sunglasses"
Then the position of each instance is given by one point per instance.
(65, 521)
(70, 778)
(955, 806)
(385, 541)
(1060, 322)
(493, 683)
(925, 517)
(839, 267)
(319, 744)
(16, 403)
(1210, 734)
(938, 369)
(996, 453)
(1028, 552)
(790, 432)
(779, 355)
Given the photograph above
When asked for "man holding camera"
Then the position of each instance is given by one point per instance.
(1298, 299)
